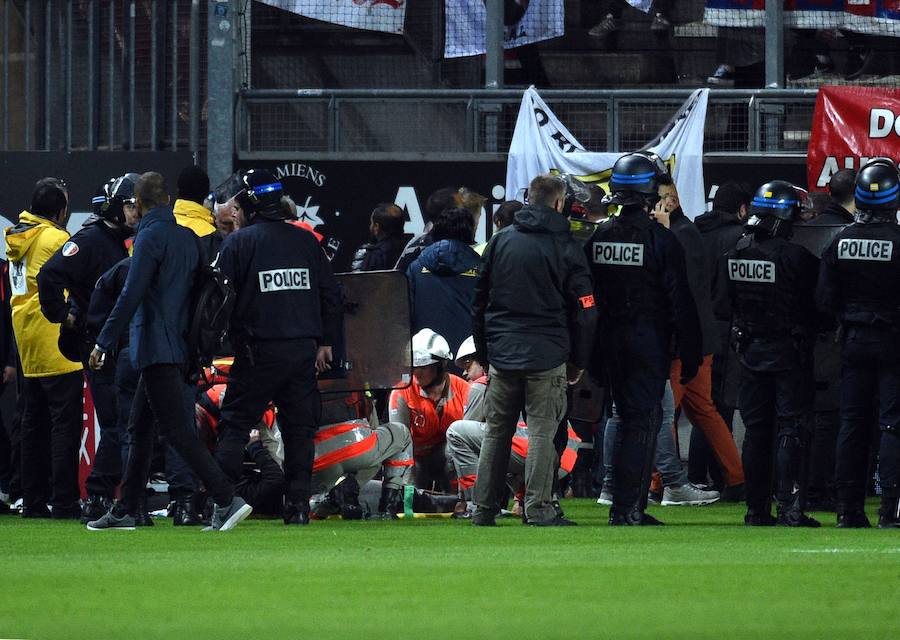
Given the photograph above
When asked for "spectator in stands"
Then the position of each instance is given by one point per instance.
(505, 213)
(719, 230)
(612, 22)
(387, 239)
(445, 198)
(51, 423)
(442, 278)
(695, 397)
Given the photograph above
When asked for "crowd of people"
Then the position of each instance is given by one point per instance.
(755, 305)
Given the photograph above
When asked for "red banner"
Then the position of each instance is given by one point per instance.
(90, 438)
(851, 125)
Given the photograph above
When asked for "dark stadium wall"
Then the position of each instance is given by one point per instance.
(83, 172)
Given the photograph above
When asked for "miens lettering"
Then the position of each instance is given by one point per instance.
(283, 280)
(862, 249)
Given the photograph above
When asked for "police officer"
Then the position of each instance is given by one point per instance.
(770, 284)
(640, 278)
(860, 283)
(286, 318)
(75, 268)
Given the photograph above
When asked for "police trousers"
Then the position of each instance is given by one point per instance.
(777, 411)
(861, 381)
(282, 372)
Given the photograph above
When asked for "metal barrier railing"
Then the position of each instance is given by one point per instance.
(409, 123)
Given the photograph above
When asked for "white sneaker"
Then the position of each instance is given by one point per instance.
(605, 498)
(688, 494)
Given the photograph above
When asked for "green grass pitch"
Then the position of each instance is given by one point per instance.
(704, 575)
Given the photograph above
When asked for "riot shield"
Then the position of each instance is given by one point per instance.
(374, 350)
(815, 237)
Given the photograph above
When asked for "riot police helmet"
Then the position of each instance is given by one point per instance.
(116, 194)
(778, 199)
(635, 172)
(260, 195)
(877, 191)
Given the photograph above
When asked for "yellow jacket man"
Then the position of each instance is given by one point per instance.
(193, 189)
(52, 387)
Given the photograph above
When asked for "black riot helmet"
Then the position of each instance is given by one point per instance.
(261, 194)
(101, 198)
(109, 203)
(634, 180)
(779, 199)
(877, 192)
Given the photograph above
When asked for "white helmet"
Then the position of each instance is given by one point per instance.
(466, 349)
(429, 348)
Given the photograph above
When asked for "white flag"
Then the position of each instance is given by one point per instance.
(541, 143)
(465, 22)
(374, 15)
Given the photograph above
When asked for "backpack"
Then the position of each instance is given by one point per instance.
(212, 303)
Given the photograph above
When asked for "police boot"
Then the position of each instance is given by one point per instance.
(889, 514)
(791, 515)
(184, 514)
(759, 517)
(852, 517)
(142, 518)
(296, 513)
(635, 517)
(390, 504)
(94, 508)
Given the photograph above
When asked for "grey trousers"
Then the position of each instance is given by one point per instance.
(541, 396)
(667, 461)
(464, 440)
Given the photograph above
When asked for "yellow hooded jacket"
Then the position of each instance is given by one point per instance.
(195, 217)
(29, 244)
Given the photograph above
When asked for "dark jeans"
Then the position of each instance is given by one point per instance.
(283, 372)
(638, 370)
(106, 472)
(861, 380)
(178, 474)
(51, 431)
(777, 411)
(159, 403)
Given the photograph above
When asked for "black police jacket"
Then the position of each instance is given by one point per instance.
(699, 272)
(103, 299)
(534, 306)
(640, 275)
(860, 276)
(284, 284)
(771, 284)
(76, 267)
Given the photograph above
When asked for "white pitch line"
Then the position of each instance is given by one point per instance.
(837, 550)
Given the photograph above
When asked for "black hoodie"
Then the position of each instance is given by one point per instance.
(720, 231)
(534, 305)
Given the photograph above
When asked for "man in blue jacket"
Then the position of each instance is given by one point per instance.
(156, 295)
